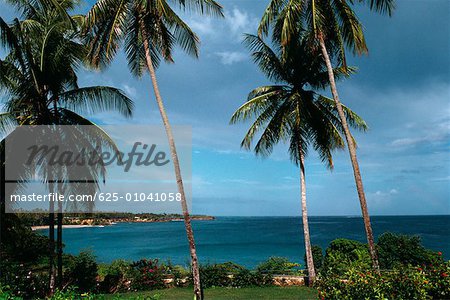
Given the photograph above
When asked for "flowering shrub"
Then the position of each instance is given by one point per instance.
(148, 275)
(438, 276)
(23, 280)
(430, 282)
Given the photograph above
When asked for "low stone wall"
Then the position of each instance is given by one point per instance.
(288, 280)
(278, 280)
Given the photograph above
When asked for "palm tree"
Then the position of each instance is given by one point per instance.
(39, 77)
(149, 30)
(332, 26)
(290, 112)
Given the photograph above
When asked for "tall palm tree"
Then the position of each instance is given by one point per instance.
(149, 30)
(293, 113)
(39, 78)
(332, 26)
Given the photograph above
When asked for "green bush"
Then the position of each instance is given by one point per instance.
(82, 271)
(402, 283)
(246, 278)
(343, 254)
(6, 293)
(178, 273)
(215, 275)
(23, 280)
(397, 249)
(73, 293)
(114, 276)
(277, 265)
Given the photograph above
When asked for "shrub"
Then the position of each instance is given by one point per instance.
(277, 265)
(23, 280)
(215, 275)
(114, 276)
(431, 282)
(246, 278)
(343, 255)
(179, 274)
(146, 274)
(397, 249)
(6, 293)
(72, 293)
(438, 276)
(82, 271)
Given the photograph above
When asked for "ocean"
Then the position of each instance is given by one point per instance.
(244, 240)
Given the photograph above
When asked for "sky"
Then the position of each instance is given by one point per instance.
(402, 90)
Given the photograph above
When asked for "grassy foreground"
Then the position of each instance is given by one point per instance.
(272, 293)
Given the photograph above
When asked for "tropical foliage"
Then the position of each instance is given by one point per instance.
(39, 80)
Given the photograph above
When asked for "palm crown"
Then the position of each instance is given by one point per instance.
(111, 22)
(289, 111)
(335, 20)
(39, 82)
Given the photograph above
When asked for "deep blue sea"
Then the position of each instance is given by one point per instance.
(244, 240)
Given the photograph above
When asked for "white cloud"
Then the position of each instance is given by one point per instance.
(202, 26)
(229, 58)
(129, 90)
(241, 181)
(382, 198)
(240, 22)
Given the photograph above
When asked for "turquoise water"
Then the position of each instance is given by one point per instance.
(244, 240)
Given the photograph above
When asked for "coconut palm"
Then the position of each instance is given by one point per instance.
(332, 26)
(291, 112)
(149, 30)
(39, 79)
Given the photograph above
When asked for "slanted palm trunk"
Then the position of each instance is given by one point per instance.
(59, 248)
(309, 257)
(51, 237)
(173, 151)
(353, 158)
(2, 194)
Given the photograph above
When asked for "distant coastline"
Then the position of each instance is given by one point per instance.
(39, 221)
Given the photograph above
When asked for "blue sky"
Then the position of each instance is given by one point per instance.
(402, 89)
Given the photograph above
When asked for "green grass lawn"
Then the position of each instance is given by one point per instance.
(269, 293)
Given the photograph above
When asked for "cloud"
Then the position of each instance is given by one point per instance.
(241, 181)
(229, 58)
(240, 22)
(382, 198)
(202, 26)
(129, 90)
(237, 22)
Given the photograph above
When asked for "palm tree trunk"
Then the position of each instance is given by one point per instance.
(309, 257)
(2, 194)
(353, 158)
(51, 237)
(198, 295)
(59, 249)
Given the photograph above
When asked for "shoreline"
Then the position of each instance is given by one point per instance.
(42, 227)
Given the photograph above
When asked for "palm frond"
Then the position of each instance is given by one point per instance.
(96, 99)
